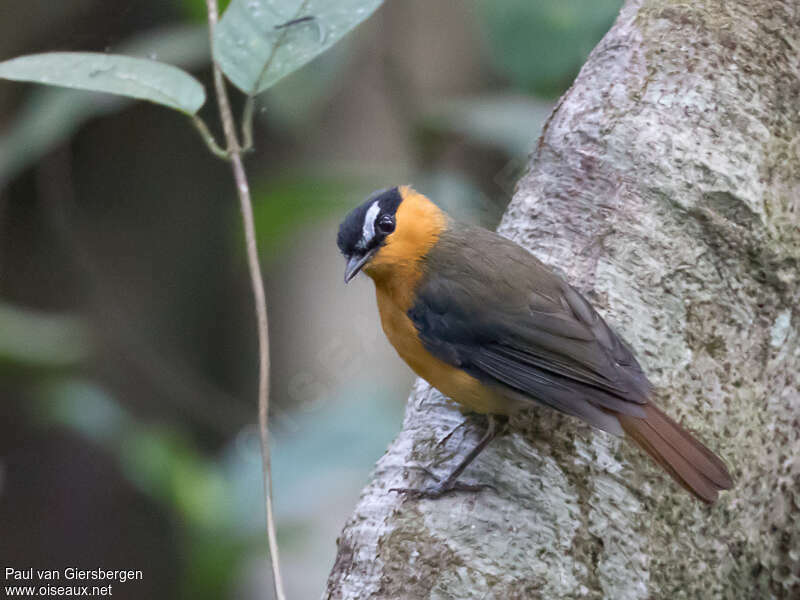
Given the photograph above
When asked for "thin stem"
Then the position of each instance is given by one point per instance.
(259, 297)
(208, 138)
(249, 105)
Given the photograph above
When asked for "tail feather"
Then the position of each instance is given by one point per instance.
(688, 461)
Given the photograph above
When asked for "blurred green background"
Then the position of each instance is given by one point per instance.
(127, 338)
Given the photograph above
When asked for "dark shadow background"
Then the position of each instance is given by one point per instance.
(127, 339)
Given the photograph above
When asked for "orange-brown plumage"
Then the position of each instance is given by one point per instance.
(397, 270)
(492, 328)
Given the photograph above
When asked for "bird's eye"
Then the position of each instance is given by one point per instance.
(385, 224)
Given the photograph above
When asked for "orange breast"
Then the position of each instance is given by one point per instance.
(396, 271)
(451, 381)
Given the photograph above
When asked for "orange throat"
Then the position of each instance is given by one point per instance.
(396, 268)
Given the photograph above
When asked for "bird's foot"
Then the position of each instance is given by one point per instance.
(441, 489)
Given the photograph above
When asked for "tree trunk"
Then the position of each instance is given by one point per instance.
(666, 187)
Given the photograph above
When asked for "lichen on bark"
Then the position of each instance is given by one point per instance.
(666, 186)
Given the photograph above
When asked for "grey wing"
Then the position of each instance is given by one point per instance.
(506, 319)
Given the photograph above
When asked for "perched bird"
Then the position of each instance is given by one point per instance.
(491, 327)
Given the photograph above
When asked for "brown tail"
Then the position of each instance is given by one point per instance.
(689, 462)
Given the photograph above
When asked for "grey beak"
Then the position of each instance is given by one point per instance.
(355, 264)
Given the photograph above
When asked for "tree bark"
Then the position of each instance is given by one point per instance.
(666, 187)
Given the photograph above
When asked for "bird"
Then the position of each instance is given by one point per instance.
(495, 330)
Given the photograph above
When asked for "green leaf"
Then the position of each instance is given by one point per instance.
(112, 73)
(53, 114)
(258, 42)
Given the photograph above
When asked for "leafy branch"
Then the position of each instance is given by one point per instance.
(254, 45)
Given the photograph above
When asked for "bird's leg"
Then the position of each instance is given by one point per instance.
(440, 444)
(451, 483)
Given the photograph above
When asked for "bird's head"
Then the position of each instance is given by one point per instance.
(393, 229)
(366, 228)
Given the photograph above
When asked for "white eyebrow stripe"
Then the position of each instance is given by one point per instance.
(368, 229)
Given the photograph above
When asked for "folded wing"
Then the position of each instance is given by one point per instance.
(506, 319)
